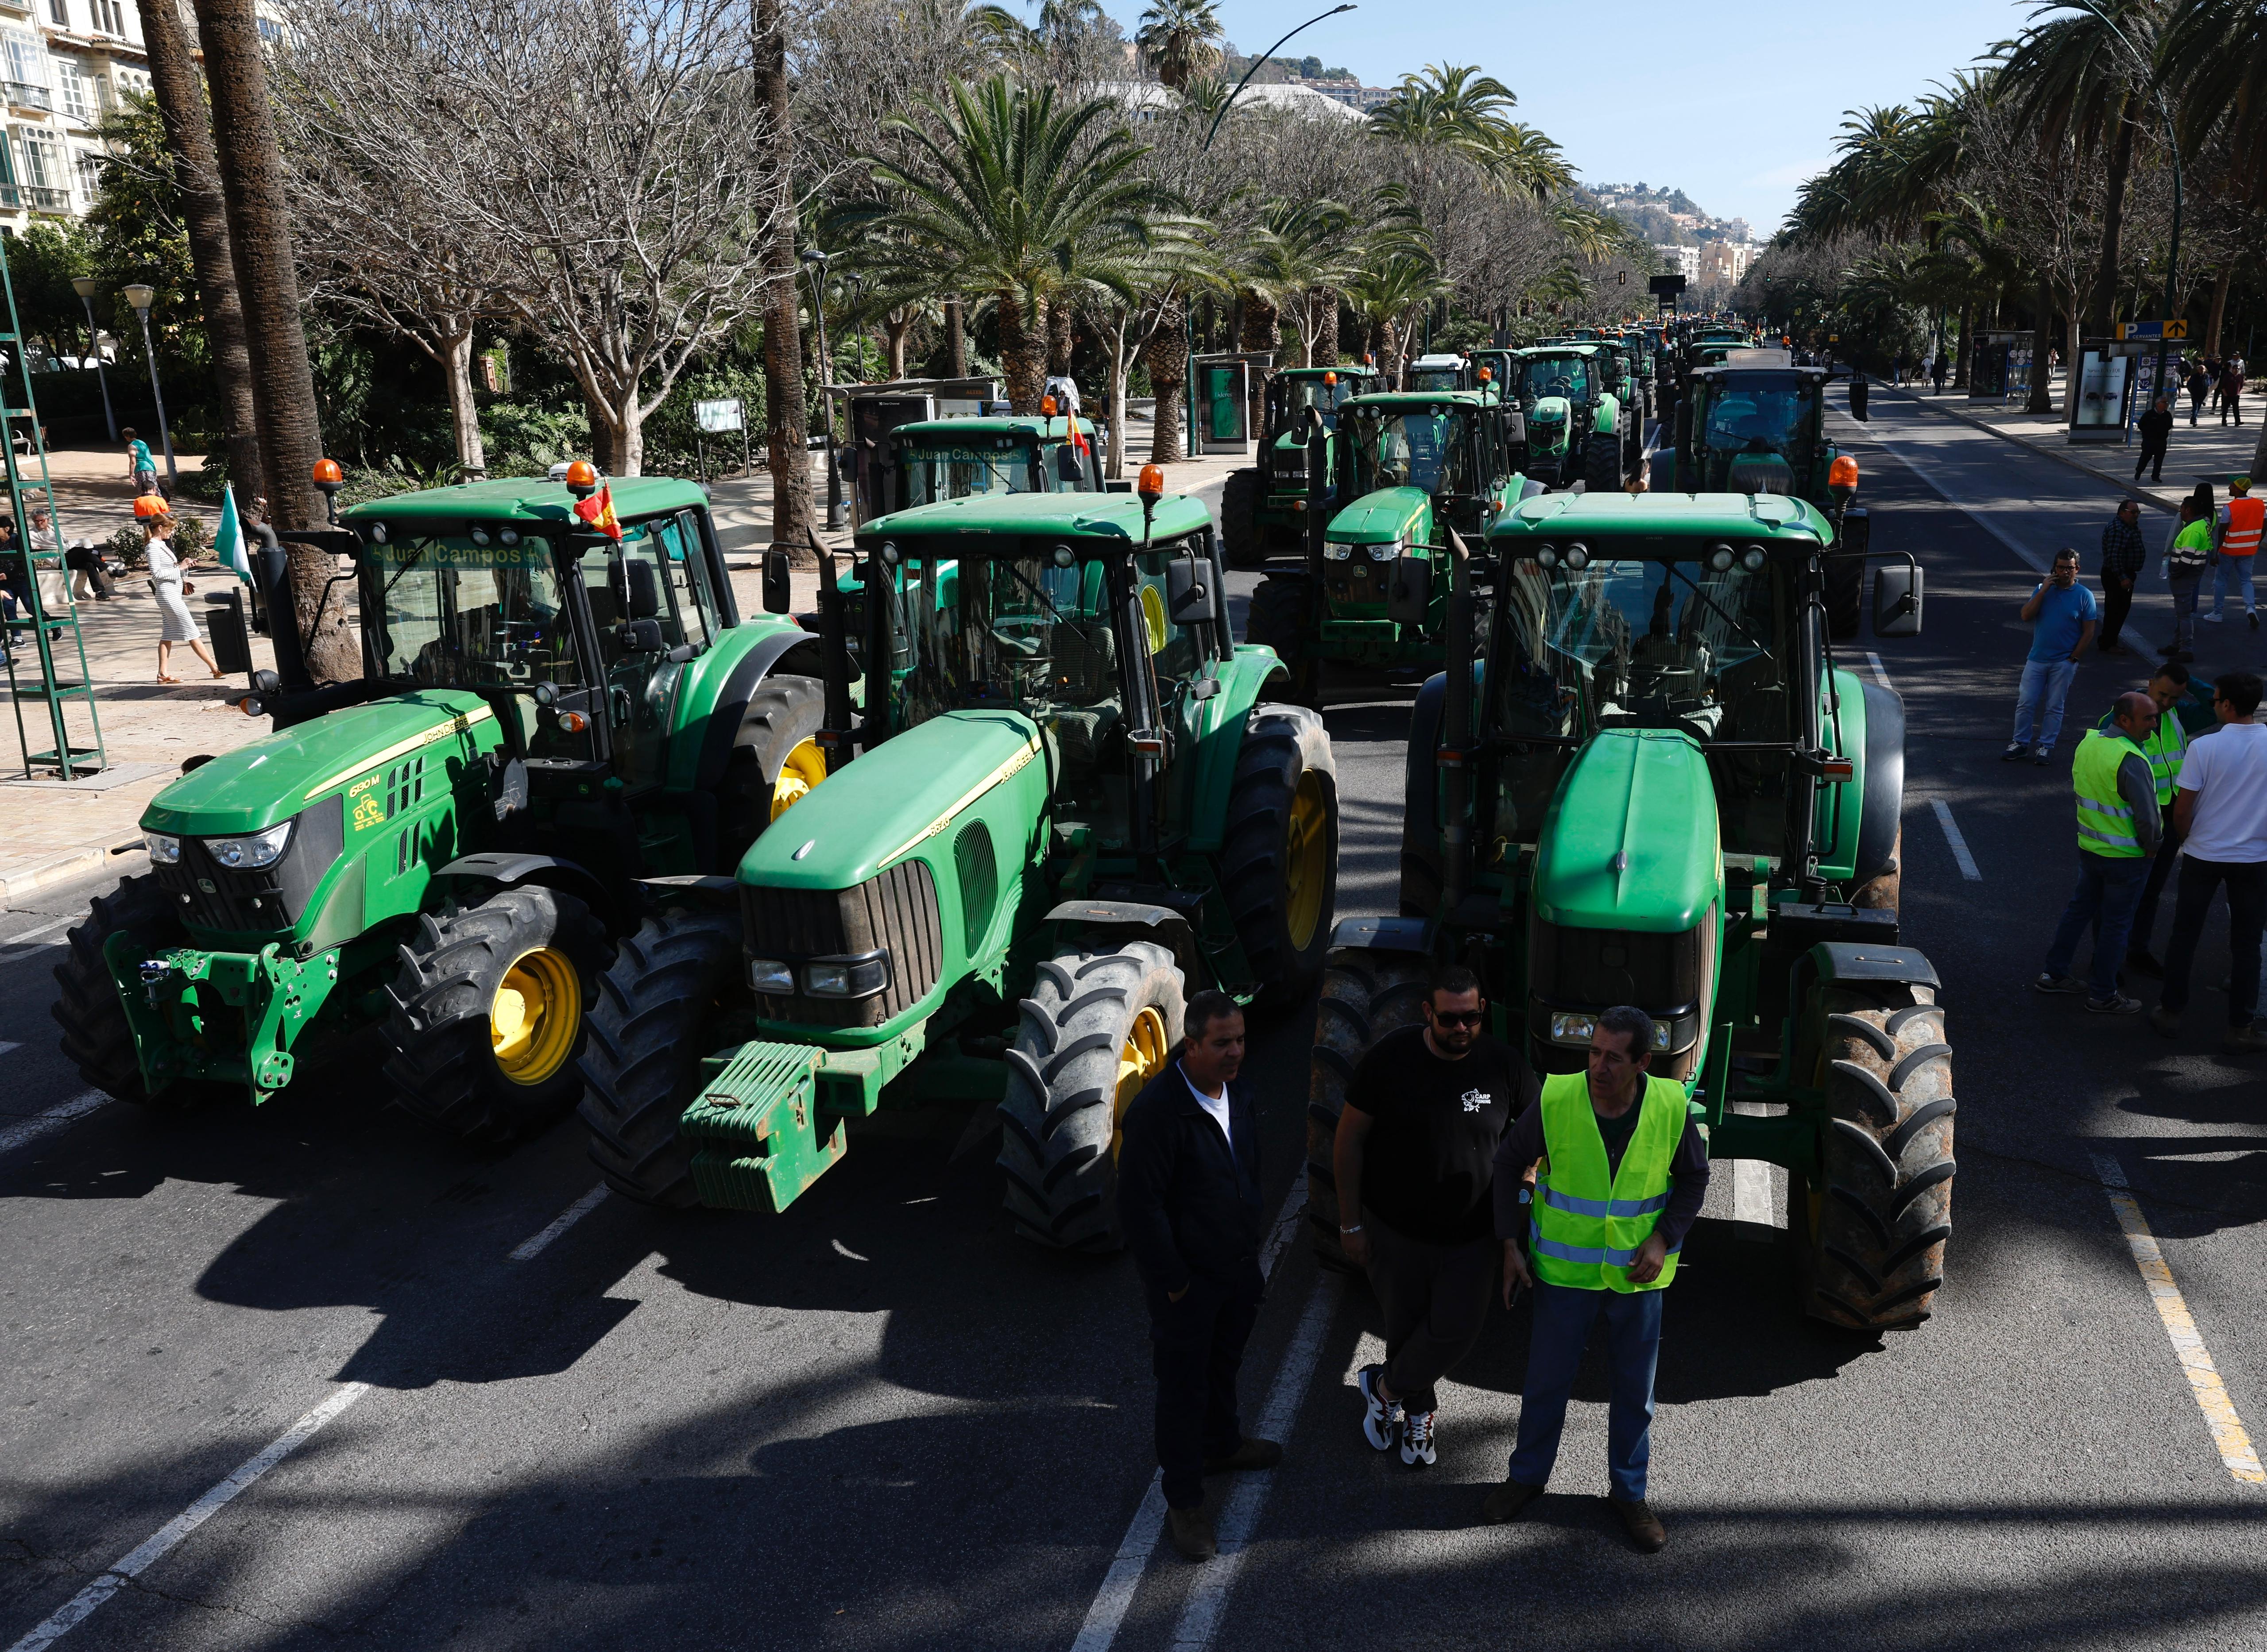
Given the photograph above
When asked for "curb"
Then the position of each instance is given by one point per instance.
(66, 869)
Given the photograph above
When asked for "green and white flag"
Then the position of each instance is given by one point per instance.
(228, 539)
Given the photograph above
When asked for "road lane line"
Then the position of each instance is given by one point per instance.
(2227, 1433)
(45, 929)
(1880, 672)
(54, 1119)
(124, 1571)
(1108, 1611)
(533, 1248)
(1968, 869)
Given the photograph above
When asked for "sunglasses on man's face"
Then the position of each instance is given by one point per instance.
(1460, 1018)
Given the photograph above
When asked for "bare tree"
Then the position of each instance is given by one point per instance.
(787, 417)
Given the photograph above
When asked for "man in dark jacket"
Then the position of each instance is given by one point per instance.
(1188, 1195)
(2156, 428)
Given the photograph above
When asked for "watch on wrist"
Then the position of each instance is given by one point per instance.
(1356, 1228)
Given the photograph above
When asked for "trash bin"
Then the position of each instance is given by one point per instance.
(1858, 396)
(231, 643)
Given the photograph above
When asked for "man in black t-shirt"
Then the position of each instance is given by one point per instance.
(1414, 1160)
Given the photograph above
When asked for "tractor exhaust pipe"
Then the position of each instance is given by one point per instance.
(271, 569)
(1456, 756)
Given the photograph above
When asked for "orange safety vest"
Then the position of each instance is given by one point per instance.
(2246, 516)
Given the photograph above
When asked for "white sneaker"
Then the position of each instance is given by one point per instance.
(2213, 619)
(1380, 1419)
(1417, 1439)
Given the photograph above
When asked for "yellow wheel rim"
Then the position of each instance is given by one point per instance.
(536, 1017)
(1141, 1058)
(805, 768)
(1306, 861)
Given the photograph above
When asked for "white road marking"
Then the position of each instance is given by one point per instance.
(44, 928)
(840, 1249)
(2228, 1432)
(1111, 1601)
(566, 1219)
(123, 1572)
(1967, 867)
(1751, 1192)
(7, 1044)
(54, 1118)
(1880, 672)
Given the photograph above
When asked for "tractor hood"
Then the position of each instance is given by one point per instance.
(1389, 515)
(892, 798)
(1631, 841)
(270, 780)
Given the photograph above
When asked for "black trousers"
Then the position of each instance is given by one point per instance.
(2116, 603)
(2246, 909)
(2161, 867)
(1197, 1344)
(1436, 1299)
(2152, 453)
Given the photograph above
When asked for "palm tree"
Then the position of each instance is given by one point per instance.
(1392, 285)
(1180, 37)
(1303, 252)
(2212, 59)
(1456, 109)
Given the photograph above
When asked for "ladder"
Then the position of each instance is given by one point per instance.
(41, 633)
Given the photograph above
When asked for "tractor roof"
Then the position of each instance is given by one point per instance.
(1534, 351)
(1420, 400)
(523, 499)
(1316, 372)
(1665, 515)
(1020, 425)
(1114, 516)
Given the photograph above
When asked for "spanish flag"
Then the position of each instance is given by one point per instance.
(597, 511)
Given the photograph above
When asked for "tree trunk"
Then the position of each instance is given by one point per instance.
(1114, 392)
(1062, 338)
(897, 327)
(787, 416)
(1965, 348)
(2071, 376)
(1023, 352)
(1325, 353)
(1389, 351)
(1167, 358)
(2219, 310)
(2042, 337)
(2113, 222)
(956, 337)
(464, 412)
(276, 339)
(204, 210)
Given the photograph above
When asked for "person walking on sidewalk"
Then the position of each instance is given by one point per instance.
(1625, 1173)
(2156, 428)
(2165, 749)
(2123, 556)
(1188, 1195)
(1414, 1159)
(2117, 832)
(176, 624)
(2222, 810)
(2198, 382)
(2185, 561)
(1937, 370)
(139, 464)
(2238, 522)
(2062, 614)
(2231, 389)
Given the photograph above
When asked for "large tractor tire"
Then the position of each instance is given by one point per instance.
(1601, 463)
(1099, 1025)
(1366, 995)
(490, 1013)
(1278, 863)
(1281, 616)
(776, 762)
(645, 1047)
(1846, 598)
(96, 1039)
(1239, 520)
(1871, 1233)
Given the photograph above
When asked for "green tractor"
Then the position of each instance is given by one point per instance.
(1664, 789)
(441, 850)
(930, 459)
(1577, 429)
(1262, 509)
(1068, 805)
(1374, 584)
(1762, 429)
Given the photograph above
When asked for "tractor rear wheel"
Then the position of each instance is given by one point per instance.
(1099, 1026)
(776, 762)
(489, 1011)
(1601, 463)
(1871, 1233)
(643, 1056)
(1366, 995)
(96, 1039)
(1278, 863)
(1239, 520)
(1281, 616)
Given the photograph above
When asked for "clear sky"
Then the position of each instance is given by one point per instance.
(1735, 105)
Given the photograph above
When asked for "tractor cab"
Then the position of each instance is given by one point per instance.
(935, 459)
(1439, 371)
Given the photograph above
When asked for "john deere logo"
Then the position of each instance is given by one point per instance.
(369, 812)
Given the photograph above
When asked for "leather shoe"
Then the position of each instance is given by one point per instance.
(1643, 1526)
(1251, 1454)
(2247, 1040)
(1191, 1530)
(2143, 963)
(1509, 1500)
(2165, 1022)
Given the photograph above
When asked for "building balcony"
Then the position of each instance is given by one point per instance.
(41, 199)
(22, 96)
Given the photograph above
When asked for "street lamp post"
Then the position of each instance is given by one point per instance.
(139, 297)
(84, 286)
(817, 260)
(1262, 58)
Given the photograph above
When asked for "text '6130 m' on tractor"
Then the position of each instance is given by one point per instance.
(440, 851)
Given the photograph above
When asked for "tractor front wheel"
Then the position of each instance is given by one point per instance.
(1871, 1231)
(1239, 520)
(776, 762)
(1280, 615)
(96, 1039)
(1366, 995)
(1098, 1027)
(644, 1051)
(1601, 463)
(489, 1011)
(1279, 865)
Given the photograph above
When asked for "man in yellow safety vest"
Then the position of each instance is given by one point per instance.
(2166, 749)
(2117, 832)
(1624, 1171)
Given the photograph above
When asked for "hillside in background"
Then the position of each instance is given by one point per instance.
(1664, 215)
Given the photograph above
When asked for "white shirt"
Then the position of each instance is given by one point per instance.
(1215, 1104)
(2227, 771)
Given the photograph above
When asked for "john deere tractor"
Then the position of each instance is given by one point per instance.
(1577, 428)
(931, 459)
(1263, 510)
(1374, 584)
(1664, 789)
(441, 849)
(1068, 805)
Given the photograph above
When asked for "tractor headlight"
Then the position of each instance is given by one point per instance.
(1548, 556)
(1573, 1030)
(1753, 561)
(249, 854)
(1721, 558)
(1578, 557)
(1333, 552)
(858, 978)
(769, 975)
(165, 848)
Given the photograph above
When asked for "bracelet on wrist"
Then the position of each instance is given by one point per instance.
(1356, 1228)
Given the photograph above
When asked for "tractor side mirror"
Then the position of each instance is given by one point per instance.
(1067, 465)
(1897, 600)
(776, 588)
(644, 589)
(1409, 595)
(640, 636)
(1188, 593)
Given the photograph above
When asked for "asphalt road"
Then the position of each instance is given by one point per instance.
(880, 1421)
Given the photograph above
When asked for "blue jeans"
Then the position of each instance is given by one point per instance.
(1563, 1318)
(2232, 571)
(2109, 889)
(2038, 703)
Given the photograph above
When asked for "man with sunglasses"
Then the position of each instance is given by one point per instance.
(1415, 1162)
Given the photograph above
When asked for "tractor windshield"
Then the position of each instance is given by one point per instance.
(1427, 449)
(1567, 376)
(1010, 631)
(1758, 433)
(1435, 378)
(1299, 394)
(934, 473)
(448, 613)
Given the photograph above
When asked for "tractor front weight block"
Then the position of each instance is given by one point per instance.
(230, 1017)
(769, 1119)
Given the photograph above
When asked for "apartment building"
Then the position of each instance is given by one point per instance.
(1682, 260)
(1724, 262)
(63, 65)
